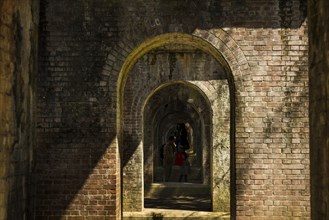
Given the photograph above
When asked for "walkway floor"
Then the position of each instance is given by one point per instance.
(192, 203)
(174, 214)
(177, 201)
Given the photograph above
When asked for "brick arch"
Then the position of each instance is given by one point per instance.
(219, 45)
(157, 114)
(229, 49)
(185, 83)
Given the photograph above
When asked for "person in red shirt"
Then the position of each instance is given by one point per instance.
(183, 162)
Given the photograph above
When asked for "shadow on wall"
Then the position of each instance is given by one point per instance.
(75, 165)
(66, 156)
(237, 13)
(187, 15)
(68, 173)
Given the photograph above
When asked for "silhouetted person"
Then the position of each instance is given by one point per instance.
(168, 157)
(182, 139)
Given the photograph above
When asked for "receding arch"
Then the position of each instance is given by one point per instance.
(158, 41)
(184, 39)
(185, 110)
(186, 83)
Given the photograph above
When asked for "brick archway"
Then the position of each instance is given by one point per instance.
(181, 101)
(226, 54)
(162, 111)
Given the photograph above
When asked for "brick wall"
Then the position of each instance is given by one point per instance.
(77, 160)
(18, 37)
(319, 67)
(85, 43)
(272, 137)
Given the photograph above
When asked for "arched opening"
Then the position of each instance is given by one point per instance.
(177, 103)
(161, 61)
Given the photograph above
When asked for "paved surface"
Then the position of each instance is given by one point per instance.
(174, 214)
(180, 202)
(177, 201)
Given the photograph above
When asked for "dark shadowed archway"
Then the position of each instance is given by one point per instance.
(171, 104)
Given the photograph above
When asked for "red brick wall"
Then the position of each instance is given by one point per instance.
(77, 161)
(83, 46)
(272, 139)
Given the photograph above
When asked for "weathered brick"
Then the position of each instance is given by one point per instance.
(82, 49)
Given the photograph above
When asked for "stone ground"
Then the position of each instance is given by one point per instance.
(174, 214)
(192, 203)
(177, 201)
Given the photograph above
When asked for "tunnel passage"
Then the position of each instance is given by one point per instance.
(173, 84)
(175, 104)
